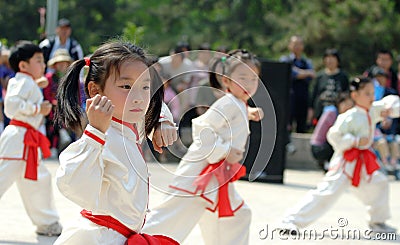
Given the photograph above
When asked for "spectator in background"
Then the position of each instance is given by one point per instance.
(5, 74)
(58, 137)
(179, 70)
(321, 150)
(385, 132)
(302, 74)
(208, 94)
(63, 40)
(330, 81)
(384, 60)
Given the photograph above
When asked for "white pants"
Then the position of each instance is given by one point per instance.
(37, 196)
(178, 215)
(374, 194)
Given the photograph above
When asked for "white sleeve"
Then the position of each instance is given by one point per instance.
(207, 129)
(165, 116)
(17, 99)
(339, 136)
(391, 102)
(80, 174)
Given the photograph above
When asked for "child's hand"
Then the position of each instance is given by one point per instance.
(42, 82)
(255, 113)
(234, 156)
(385, 113)
(45, 108)
(363, 141)
(164, 135)
(99, 110)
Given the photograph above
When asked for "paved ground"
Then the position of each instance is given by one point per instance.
(268, 203)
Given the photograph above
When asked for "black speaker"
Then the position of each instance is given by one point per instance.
(266, 156)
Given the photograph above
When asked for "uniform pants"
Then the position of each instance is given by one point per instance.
(374, 194)
(37, 196)
(177, 216)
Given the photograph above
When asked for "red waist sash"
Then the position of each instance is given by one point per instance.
(133, 237)
(32, 140)
(224, 172)
(365, 157)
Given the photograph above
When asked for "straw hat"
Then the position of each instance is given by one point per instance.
(60, 55)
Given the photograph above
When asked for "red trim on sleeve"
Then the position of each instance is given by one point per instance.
(96, 138)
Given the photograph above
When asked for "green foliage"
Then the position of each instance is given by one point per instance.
(357, 28)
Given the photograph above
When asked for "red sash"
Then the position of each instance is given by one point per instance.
(365, 157)
(32, 140)
(133, 237)
(224, 172)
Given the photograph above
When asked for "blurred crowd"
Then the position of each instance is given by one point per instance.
(315, 96)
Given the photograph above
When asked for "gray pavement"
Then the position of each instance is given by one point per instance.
(267, 201)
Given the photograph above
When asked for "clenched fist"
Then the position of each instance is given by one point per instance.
(99, 110)
(45, 108)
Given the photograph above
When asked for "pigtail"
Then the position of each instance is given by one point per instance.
(157, 94)
(358, 83)
(69, 112)
(213, 74)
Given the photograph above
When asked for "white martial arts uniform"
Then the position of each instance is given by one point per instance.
(373, 188)
(22, 103)
(107, 175)
(225, 125)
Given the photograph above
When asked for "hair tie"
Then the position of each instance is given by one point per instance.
(87, 61)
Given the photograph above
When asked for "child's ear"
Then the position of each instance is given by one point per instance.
(93, 89)
(23, 65)
(225, 81)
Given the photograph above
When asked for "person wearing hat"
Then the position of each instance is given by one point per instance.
(62, 40)
(59, 65)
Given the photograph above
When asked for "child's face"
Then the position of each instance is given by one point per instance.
(365, 96)
(243, 81)
(331, 62)
(130, 92)
(382, 80)
(34, 66)
(61, 66)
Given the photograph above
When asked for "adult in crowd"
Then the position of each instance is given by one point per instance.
(330, 81)
(384, 60)
(302, 74)
(62, 40)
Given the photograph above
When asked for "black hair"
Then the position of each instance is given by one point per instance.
(107, 59)
(205, 46)
(385, 51)
(229, 63)
(358, 83)
(214, 63)
(332, 52)
(343, 96)
(23, 51)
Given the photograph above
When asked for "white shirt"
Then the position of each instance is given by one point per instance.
(22, 102)
(109, 179)
(355, 124)
(223, 126)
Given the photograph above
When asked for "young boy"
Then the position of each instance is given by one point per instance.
(20, 161)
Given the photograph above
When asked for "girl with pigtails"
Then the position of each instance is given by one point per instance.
(104, 171)
(203, 188)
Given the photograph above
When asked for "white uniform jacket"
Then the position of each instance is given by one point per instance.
(22, 103)
(353, 125)
(225, 125)
(106, 174)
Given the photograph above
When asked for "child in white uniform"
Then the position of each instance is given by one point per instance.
(203, 177)
(104, 172)
(353, 163)
(20, 160)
